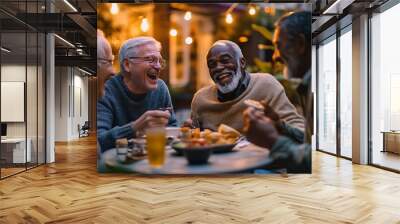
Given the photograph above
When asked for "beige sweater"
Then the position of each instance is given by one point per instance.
(210, 112)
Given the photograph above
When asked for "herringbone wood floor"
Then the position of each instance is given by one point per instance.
(71, 191)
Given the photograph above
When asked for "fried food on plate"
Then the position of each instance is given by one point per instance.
(195, 137)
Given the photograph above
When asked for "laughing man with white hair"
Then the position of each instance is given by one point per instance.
(133, 99)
(223, 103)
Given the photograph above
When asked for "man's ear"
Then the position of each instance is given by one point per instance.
(242, 63)
(126, 65)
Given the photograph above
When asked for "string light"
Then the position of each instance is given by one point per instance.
(188, 40)
(114, 8)
(188, 16)
(252, 10)
(243, 39)
(144, 25)
(269, 10)
(173, 32)
(229, 18)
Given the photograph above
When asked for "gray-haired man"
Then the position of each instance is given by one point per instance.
(105, 60)
(133, 99)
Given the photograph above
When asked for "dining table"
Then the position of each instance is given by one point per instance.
(243, 158)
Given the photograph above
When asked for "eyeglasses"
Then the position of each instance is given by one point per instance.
(152, 60)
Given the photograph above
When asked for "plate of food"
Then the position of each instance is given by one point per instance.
(224, 140)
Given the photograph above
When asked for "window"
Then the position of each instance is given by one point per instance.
(327, 95)
(346, 92)
(385, 88)
(22, 87)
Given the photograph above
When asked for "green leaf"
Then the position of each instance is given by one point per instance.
(263, 31)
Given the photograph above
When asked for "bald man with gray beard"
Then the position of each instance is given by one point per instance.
(224, 102)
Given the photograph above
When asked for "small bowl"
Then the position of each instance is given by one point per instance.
(178, 146)
(197, 156)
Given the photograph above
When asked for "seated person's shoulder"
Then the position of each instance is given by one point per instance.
(205, 92)
(162, 88)
(161, 83)
(265, 79)
(111, 85)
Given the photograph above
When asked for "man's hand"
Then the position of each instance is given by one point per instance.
(269, 112)
(259, 129)
(150, 119)
(188, 123)
(192, 123)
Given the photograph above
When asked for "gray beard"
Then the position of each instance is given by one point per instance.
(232, 85)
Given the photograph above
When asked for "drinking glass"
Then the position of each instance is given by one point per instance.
(156, 141)
(122, 149)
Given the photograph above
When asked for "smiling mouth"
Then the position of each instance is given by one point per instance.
(224, 77)
(152, 75)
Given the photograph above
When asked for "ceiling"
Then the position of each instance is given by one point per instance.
(76, 25)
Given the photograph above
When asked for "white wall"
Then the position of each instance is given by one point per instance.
(61, 103)
(34, 125)
(71, 93)
(14, 73)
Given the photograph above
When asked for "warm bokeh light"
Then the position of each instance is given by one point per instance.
(229, 18)
(144, 25)
(188, 40)
(252, 10)
(188, 16)
(243, 39)
(114, 8)
(269, 10)
(173, 32)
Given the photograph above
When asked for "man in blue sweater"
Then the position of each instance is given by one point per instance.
(136, 99)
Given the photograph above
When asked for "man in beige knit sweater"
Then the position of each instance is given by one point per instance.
(223, 103)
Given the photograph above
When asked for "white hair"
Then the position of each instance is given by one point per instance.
(129, 48)
(102, 45)
(236, 48)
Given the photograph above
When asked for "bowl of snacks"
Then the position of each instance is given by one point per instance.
(196, 152)
(222, 141)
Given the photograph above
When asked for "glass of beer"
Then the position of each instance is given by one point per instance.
(156, 141)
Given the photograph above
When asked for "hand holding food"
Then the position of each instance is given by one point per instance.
(188, 123)
(269, 112)
(262, 106)
(150, 119)
(259, 129)
(255, 104)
